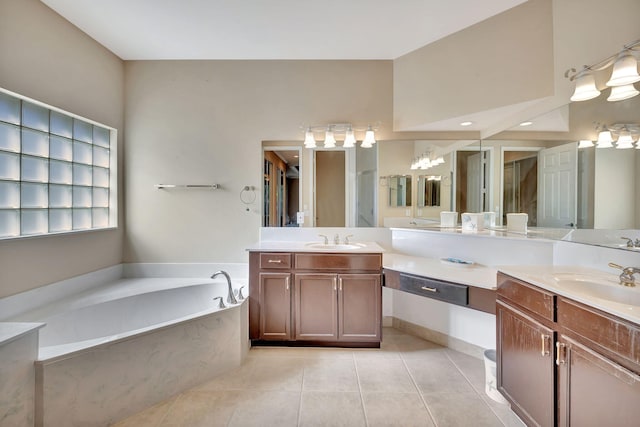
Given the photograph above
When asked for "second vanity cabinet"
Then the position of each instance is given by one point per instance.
(564, 363)
(330, 298)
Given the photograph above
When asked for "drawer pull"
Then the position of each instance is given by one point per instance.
(427, 288)
(559, 348)
(545, 339)
(340, 280)
(275, 261)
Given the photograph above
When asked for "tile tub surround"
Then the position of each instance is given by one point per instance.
(18, 351)
(407, 382)
(101, 385)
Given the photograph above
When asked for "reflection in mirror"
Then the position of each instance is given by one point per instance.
(473, 176)
(520, 183)
(281, 189)
(399, 190)
(429, 190)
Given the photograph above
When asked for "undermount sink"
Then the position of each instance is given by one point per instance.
(336, 247)
(605, 287)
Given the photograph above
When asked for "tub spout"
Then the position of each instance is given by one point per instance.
(231, 298)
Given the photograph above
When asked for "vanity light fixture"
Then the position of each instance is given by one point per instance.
(426, 161)
(331, 130)
(623, 75)
(623, 134)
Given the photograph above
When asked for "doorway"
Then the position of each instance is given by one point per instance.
(520, 183)
(281, 187)
(330, 184)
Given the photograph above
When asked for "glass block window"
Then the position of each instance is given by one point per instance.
(57, 170)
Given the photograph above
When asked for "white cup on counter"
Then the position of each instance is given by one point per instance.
(448, 219)
(472, 222)
(489, 219)
(517, 222)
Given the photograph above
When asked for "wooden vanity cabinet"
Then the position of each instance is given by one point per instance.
(564, 363)
(323, 298)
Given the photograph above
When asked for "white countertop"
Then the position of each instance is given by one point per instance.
(543, 277)
(539, 233)
(298, 246)
(10, 331)
(477, 275)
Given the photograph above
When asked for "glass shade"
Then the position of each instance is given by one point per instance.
(625, 70)
(349, 139)
(329, 139)
(369, 138)
(624, 140)
(309, 140)
(620, 93)
(585, 143)
(585, 87)
(605, 139)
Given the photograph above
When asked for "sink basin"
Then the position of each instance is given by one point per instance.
(605, 287)
(336, 247)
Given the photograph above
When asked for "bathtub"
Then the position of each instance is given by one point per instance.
(112, 351)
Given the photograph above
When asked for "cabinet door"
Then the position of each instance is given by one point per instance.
(359, 307)
(316, 307)
(275, 306)
(593, 390)
(526, 366)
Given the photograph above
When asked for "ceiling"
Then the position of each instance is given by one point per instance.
(274, 29)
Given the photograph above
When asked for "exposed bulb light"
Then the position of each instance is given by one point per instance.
(620, 93)
(349, 138)
(604, 139)
(466, 123)
(309, 140)
(329, 139)
(369, 138)
(625, 70)
(585, 87)
(585, 143)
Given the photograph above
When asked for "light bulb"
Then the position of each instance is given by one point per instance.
(604, 139)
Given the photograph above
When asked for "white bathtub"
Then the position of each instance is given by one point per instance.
(124, 309)
(114, 350)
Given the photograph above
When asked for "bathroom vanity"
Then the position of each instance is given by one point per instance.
(315, 296)
(566, 360)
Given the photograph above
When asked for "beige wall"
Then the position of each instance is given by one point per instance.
(504, 60)
(44, 57)
(204, 121)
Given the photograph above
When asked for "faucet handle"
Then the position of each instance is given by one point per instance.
(240, 296)
(346, 238)
(221, 304)
(629, 243)
(326, 239)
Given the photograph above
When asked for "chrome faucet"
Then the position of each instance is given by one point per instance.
(336, 239)
(627, 277)
(231, 298)
(631, 243)
(326, 239)
(346, 238)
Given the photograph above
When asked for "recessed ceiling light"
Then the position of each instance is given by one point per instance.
(526, 123)
(466, 123)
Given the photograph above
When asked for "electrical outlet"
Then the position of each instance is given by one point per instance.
(300, 217)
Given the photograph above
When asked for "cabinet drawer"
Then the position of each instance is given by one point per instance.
(436, 289)
(275, 260)
(607, 332)
(338, 262)
(527, 296)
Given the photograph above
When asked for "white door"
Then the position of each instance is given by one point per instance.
(557, 186)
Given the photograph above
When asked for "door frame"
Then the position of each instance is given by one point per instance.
(502, 150)
(300, 186)
(489, 162)
(349, 184)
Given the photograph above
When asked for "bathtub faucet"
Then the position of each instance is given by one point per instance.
(231, 298)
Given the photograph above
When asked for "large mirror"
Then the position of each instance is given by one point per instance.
(399, 190)
(503, 177)
(429, 190)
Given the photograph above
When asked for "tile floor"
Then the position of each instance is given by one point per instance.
(407, 382)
